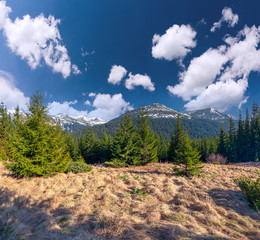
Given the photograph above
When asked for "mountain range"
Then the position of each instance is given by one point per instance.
(198, 123)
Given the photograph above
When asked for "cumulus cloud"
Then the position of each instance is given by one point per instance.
(109, 106)
(105, 106)
(176, 43)
(10, 95)
(219, 77)
(139, 80)
(201, 72)
(36, 40)
(227, 16)
(220, 95)
(66, 107)
(117, 73)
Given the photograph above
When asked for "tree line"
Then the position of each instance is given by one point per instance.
(33, 145)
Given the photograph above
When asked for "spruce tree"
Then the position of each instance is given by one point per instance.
(176, 140)
(231, 147)
(125, 151)
(221, 142)
(247, 142)
(147, 140)
(240, 143)
(88, 146)
(4, 132)
(188, 159)
(37, 146)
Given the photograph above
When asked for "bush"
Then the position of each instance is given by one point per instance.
(251, 190)
(216, 159)
(78, 167)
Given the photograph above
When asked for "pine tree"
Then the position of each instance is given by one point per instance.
(247, 142)
(240, 137)
(221, 142)
(147, 140)
(88, 146)
(163, 147)
(104, 148)
(188, 158)
(73, 148)
(176, 141)
(254, 130)
(231, 147)
(37, 147)
(125, 151)
(4, 132)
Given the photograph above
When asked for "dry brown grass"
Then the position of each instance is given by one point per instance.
(102, 205)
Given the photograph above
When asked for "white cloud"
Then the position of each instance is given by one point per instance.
(75, 69)
(221, 83)
(220, 95)
(201, 72)
(55, 108)
(10, 95)
(139, 80)
(175, 43)
(92, 94)
(109, 106)
(117, 73)
(227, 16)
(36, 40)
(4, 13)
(106, 107)
(87, 102)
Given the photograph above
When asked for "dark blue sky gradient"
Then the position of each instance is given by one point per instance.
(120, 32)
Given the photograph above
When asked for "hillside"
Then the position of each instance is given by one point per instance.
(136, 203)
(199, 124)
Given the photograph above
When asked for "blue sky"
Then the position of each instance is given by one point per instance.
(101, 58)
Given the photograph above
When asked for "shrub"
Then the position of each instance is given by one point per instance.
(78, 167)
(216, 159)
(251, 190)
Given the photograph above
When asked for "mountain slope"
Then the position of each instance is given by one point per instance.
(199, 123)
(68, 122)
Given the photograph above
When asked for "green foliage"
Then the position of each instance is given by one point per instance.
(79, 167)
(88, 146)
(251, 190)
(73, 148)
(37, 148)
(124, 149)
(139, 192)
(182, 153)
(147, 141)
(176, 141)
(4, 132)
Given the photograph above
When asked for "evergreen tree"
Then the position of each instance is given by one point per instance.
(163, 147)
(125, 150)
(147, 140)
(188, 158)
(222, 143)
(37, 147)
(247, 142)
(240, 137)
(104, 148)
(88, 146)
(4, 132)
(254, 137)
(231, 147)
(73, 148)
(176, 141)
